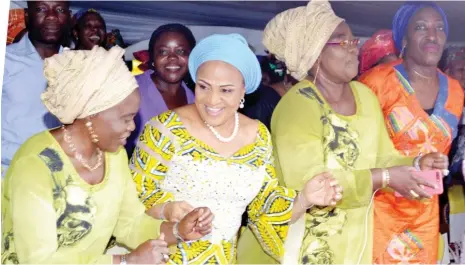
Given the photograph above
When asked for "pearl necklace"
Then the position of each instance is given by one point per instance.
(78, 156)
(224, 139)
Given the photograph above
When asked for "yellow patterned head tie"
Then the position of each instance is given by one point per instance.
(82, 83)
(297, 36)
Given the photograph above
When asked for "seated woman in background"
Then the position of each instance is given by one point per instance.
(69, 189)
(184, 155)
(260, 104)
(89, 30)
(327, 122)
(162, 88)
(421, 109)
(379, 49)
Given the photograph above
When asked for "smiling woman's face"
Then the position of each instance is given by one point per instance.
(114, 125)
(90, 31)
(170, 56)
(218, 92)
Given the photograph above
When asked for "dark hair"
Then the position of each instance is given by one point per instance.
(275, 69)
(443, 62)
(80, 21)
(175, 27)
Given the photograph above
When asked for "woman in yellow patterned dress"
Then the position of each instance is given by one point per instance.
(182, 156)
(68, 190)
(326, 122)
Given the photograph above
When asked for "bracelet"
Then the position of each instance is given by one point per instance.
(300, 202)
(416, 162)
(176, 233)
(386, 178)
(162, 216)
(123, 260)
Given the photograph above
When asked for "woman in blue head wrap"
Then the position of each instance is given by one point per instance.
(422, 107)
(207, 154)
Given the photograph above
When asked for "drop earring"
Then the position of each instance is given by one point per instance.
(93, 135)
(241, 103)
(316, 74)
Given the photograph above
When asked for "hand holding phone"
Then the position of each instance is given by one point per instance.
(432, 176)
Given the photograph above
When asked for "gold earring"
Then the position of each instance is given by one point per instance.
(93, 135)
(402, 51)
(316, 74)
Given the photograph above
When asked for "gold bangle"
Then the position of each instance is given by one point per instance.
(386, 178)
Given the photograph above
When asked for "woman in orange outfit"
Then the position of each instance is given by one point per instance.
(421, 107)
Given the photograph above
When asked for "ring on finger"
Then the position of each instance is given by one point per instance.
(414, 194)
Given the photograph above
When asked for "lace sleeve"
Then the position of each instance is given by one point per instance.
(150, 163)
(271, 210)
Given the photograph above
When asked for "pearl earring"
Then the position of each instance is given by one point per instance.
(92, 133)
(241, 103)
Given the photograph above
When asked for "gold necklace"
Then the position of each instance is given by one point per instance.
(77, 155)
(422, 76)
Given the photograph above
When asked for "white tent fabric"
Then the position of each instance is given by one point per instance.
(254, 37)
(137, 19)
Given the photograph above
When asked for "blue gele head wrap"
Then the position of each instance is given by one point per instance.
(405, 13)
(228, 48)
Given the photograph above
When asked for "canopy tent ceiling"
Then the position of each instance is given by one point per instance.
(137, 19)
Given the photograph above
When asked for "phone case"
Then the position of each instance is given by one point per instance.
(433, 177)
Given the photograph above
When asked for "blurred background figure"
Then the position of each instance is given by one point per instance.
(16, 25)
(89, 29)
(379, 49)
(455, 64)
(275, 83)
(23, 113)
